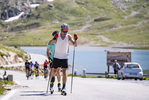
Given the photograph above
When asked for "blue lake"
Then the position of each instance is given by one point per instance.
(93, 59)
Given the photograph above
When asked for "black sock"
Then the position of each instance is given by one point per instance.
(64, 84)
(52, 81)
(59, 85)
(51, 85)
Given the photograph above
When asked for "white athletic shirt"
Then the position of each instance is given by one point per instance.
(61, 47)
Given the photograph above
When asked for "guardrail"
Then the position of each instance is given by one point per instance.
(110, 74)
(146, 75)
(106, 74)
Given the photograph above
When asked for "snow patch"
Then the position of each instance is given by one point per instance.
(50, 0)
(34, 5)
(15, 17)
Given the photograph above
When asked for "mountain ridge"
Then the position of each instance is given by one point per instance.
(117, 20)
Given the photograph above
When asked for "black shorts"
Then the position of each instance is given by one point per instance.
(45, 67)
(60, 63)
(27, 68)
(51, 65)
(37, 68)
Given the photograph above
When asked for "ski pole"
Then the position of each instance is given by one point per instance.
(48, 82)
(72, 67)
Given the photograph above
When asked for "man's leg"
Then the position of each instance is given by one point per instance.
(52, 76)
(51, 68)
(114, 71)
(44, 70)
(35, 72)
(59, 79)
(52, 80)
(29, 71)
(64, 77)
(26, 70)
(38, 71)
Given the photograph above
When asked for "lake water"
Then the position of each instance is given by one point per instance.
(93, 59)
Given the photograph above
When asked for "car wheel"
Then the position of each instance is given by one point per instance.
(122, 77)
(141, 79)
(135, 78)
(118, 77)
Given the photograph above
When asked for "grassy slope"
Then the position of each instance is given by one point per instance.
(18, 51)
(34, 31)
(132, 33)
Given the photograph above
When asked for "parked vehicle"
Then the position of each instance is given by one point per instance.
(130, 70)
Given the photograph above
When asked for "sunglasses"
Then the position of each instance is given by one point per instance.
(65, 31)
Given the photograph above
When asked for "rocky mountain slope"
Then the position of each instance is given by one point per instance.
(121, 22)
(9, 55)
(11, 8)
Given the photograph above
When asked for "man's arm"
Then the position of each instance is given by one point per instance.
(30, 66)
(48, 50)
(54, 39)
(74, 42)
(118, 65)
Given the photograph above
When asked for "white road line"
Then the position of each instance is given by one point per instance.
(6, 97)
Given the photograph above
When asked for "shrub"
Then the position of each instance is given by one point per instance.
(1, 67)
(1, 88)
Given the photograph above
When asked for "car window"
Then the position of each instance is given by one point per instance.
(132, 66)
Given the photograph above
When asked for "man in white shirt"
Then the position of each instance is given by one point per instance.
(60, 58)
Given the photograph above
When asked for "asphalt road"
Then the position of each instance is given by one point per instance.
(83, 89)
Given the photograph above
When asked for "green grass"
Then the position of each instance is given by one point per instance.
(8, 82)
(2, 89)
(5, 82)
(70, 75)
(144, 47)
(111, 23)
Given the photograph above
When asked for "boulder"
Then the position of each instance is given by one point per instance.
(10, 13)
(51, 6)
(101, 19)
(29, 15)
(2, 61)
(1, 77)
(4, 15)
(17, 11)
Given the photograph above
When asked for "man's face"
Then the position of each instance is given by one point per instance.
(64, 31)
